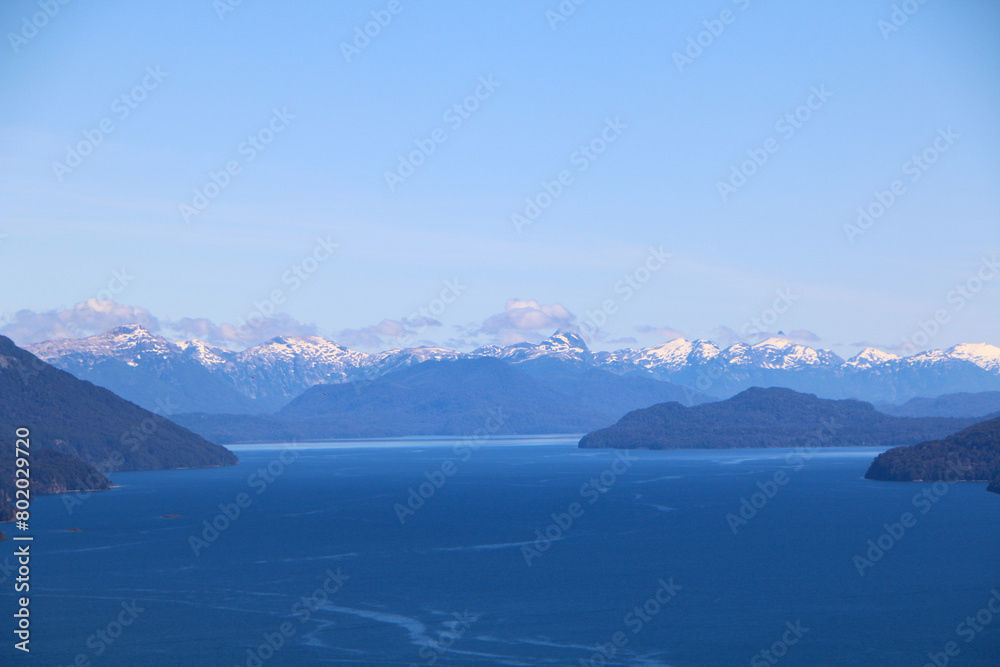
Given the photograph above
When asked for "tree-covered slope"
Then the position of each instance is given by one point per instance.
(50, 472)
(969, 455)
(984, 405)
(774, 417)
(91, 423)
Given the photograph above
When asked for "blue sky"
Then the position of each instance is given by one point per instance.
(336, 124)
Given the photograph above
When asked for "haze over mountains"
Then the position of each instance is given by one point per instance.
(192, 376)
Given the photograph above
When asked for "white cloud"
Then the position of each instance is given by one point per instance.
(388, 334)
(725, 336)
(228, 335)
(666, 333)
(86, 318)
(528, 316)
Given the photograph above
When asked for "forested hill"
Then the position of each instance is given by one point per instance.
(85, 429)
(773, 417)
(970, 455)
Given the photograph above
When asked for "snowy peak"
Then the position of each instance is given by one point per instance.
(390, 360)
(564, 341)
(673, 355)
(983, 355)
(312, 348)
(779, 354)
(207, 355)
(562, 345)
(869, 357)
(775, 343)
(127, 343)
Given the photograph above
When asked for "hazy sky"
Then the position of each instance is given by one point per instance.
(623, 122)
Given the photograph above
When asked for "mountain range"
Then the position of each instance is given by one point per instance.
(963, 404)
(462, 396)
(193, 376)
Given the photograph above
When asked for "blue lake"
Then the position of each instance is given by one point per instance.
(519, 552)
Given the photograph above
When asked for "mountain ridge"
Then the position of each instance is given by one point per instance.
(200, 377)
(445, 397)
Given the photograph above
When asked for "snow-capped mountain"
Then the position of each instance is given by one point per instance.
(379, 364)
(148, 370)
(209, 356)
(779, 353)
(193, 376)
(563, 346)
(985, 356)
(280, 369)
(129, 344)
(867, 358)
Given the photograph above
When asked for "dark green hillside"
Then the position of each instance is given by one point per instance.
(772, 417)
(51, 472)
(90, 423)
(970, 455)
